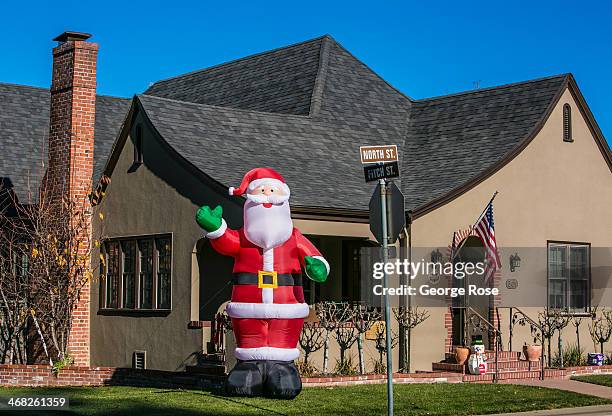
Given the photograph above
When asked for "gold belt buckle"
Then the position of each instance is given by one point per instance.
(260, 280)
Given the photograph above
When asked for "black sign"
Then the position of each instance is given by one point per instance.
(381, 171)
(396, 217)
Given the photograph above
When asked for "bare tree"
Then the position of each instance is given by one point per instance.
(346, 335)
(363, 317)
(601, 328)
(380, 366)
(327, 312)
(409, 318)
(311, 339)
(45, 263)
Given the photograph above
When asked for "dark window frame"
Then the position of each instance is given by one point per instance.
(567, 307)
(567, 123)
(107, 305)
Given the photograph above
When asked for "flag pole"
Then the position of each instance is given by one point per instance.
(476, 223)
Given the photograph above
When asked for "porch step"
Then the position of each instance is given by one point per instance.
(512, 375)
(504, 366)
(502, 356)
(217, 357)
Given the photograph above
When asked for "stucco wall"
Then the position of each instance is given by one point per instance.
(161, 196)
(552, 190)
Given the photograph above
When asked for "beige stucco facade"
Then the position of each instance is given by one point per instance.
(552, 191)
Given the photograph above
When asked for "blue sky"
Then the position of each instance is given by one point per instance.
(422, 48)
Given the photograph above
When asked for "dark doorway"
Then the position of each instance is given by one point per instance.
(467, 308)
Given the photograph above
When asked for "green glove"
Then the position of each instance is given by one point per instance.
(209, 220)
(315, 269)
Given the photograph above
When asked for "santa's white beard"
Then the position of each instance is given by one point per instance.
(267, 227)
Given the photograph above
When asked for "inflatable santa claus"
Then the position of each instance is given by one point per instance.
(267, 306)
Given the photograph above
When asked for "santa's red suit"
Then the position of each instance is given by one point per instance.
(267, 306)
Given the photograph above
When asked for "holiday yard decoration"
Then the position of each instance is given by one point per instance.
(267, 307)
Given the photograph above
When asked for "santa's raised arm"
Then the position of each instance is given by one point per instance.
(267, 305)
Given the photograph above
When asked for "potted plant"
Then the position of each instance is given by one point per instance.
(461, 354)
(532, 352)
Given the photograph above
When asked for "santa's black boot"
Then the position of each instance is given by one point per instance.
(282, 380)
(245, 379)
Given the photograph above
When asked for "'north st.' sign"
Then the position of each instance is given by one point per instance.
(378, 154)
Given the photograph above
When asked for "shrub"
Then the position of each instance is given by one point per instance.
(305, 368)
(346, 367)
(572, 357)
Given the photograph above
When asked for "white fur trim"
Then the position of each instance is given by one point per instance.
(269, 181)
(267, 353)
(231, 190)
(267, 293)
(267, 310)
(324, 262)
(218, 232)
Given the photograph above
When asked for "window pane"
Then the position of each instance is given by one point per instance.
(112, 277)
(579, 277)
(557, 290)
(578, 294)
(164, 267)
(129, 268)
(146, 273)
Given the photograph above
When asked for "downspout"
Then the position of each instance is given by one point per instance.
(405, 301)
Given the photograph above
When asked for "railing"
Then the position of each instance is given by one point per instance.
(517, 316)
(480, 323)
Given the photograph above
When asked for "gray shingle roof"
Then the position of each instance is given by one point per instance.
(444, 141)
(24, 125)
(278, 81)
(454, 138)
(317, 153)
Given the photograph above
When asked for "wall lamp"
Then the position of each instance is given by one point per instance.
(515, 262)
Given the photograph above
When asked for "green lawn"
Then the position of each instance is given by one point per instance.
(601, 379)
(414, 399)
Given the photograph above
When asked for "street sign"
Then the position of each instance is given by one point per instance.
(396, 217)
(381, 171)
(377, 154)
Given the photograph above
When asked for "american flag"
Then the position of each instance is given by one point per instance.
(485, 229)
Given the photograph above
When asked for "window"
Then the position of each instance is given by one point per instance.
(138, 273)
(567, 123)
(138, 145)
(569, 275)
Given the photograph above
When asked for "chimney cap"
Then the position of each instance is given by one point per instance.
(71, 36)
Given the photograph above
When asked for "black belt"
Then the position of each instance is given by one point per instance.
(268, 279)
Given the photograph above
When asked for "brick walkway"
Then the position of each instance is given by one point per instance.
(605, 410)
(570, 385)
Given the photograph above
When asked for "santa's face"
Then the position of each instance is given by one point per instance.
(267, 216)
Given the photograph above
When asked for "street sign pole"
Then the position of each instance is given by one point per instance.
(385, 244)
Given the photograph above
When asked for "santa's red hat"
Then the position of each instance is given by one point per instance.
(257, 177)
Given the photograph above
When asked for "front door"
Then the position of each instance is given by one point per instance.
(468, 308)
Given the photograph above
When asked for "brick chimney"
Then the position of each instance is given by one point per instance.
(71, 147)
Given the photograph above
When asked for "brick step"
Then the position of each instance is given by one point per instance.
(502, 365)
(206, 369)
(511, 375)
(502, 356)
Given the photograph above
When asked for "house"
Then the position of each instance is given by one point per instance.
(305, 109)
